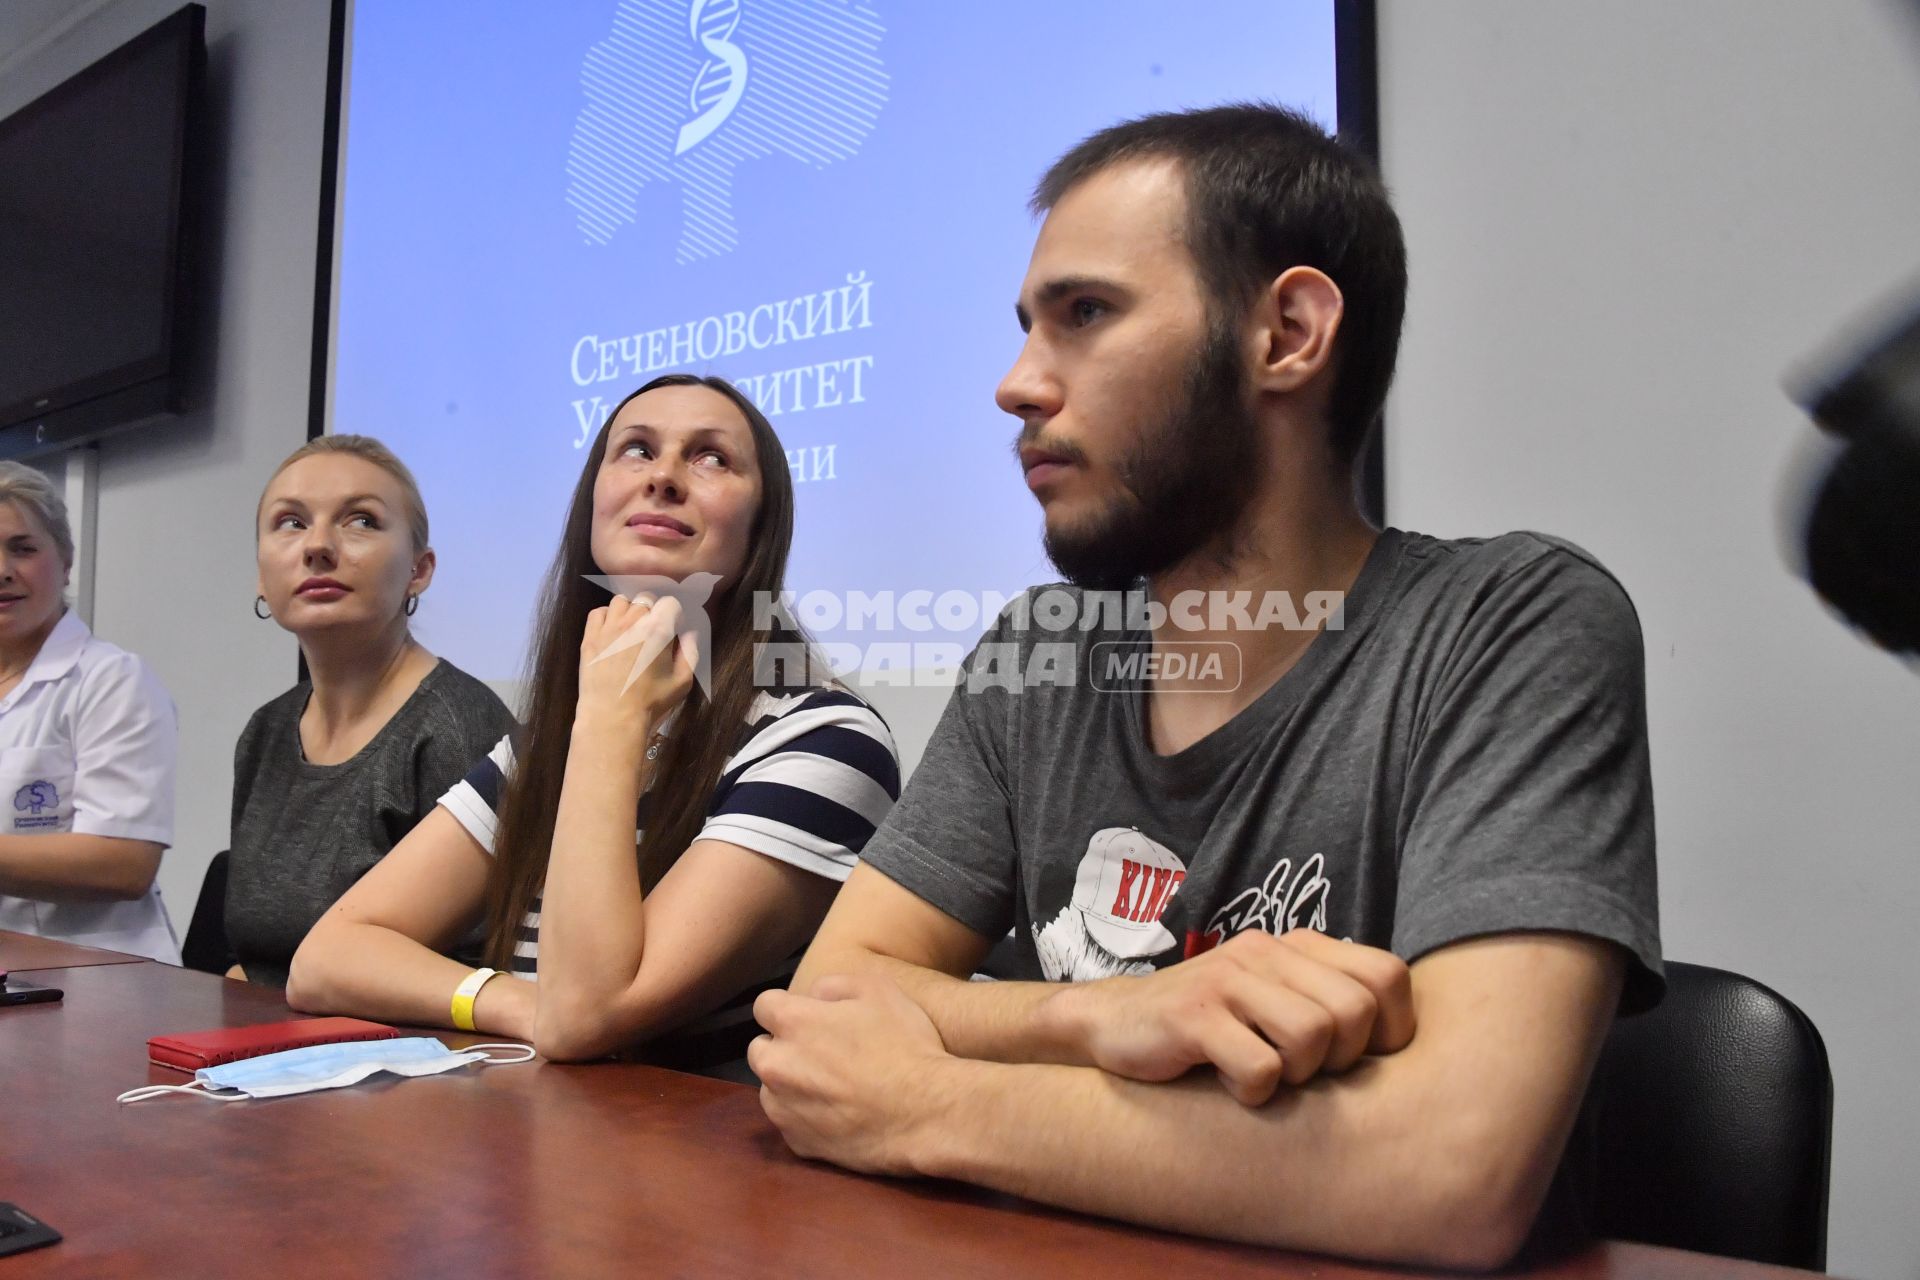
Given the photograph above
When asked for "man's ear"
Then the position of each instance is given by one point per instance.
(1294, 323)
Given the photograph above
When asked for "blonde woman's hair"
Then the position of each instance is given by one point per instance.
(21, 485)
(371, 450)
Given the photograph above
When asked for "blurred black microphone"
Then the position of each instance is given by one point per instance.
(1861, 532)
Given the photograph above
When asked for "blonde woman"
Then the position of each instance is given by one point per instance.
(87, 749)
(331, 774)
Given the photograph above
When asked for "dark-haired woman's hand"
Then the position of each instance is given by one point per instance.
(633, 670)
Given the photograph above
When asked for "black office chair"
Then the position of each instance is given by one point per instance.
(1715, 1123)
(206, 947)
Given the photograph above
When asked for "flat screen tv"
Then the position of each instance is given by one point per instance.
(93, 181)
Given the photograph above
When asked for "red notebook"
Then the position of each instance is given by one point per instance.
(192, 1050)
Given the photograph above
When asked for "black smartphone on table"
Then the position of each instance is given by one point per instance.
(15, 991)
(20, 1230)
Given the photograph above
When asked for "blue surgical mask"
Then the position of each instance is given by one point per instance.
(328, 1066)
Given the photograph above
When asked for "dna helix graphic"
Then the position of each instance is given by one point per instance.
(722, 79)
(668, 101)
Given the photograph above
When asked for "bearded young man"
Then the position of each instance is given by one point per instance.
(1341, 927)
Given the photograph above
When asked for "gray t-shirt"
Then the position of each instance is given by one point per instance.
(304, 833)
(1467, 755)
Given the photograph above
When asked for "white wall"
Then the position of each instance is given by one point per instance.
(1626, 221)
(175, 578)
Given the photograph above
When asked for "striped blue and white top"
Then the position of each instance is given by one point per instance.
(814, 773)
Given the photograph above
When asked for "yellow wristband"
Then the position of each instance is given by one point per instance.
(463, 997)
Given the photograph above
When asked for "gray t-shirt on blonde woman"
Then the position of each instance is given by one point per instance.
(303, 833)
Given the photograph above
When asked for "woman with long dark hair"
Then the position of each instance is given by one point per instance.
(752, 802)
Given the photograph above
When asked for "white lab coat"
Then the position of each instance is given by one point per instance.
(88, 744)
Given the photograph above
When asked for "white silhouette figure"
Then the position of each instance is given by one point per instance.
(693, 629)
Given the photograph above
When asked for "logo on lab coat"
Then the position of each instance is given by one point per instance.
(34, 800)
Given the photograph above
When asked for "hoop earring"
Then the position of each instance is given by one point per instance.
(257, 602)
(412, 605)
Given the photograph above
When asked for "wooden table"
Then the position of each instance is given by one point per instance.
(527, 1171)
(22, 951)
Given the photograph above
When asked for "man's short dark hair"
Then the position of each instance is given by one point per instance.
(1267, 189)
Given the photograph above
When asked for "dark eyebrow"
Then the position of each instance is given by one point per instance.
(641, 427)
(1054, 290)
(699, 431)
(701, 436)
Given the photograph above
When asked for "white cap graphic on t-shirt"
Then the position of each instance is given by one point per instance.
(1124, 884)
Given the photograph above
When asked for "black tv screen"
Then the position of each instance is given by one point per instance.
(92, 175)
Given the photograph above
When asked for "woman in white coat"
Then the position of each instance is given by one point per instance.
(88, 743)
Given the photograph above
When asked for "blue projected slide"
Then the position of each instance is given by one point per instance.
(823, 200)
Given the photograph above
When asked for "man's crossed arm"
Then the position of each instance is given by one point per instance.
(1360, 1107)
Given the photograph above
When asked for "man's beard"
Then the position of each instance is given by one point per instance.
(1187, 480)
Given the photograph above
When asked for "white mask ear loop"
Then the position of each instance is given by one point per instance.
(524, 1049)
(199, 1089)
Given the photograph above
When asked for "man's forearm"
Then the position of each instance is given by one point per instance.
(991, 1021)
(1439, 1152)
(1333, 1167)
(65, 867)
